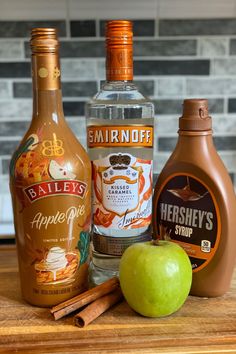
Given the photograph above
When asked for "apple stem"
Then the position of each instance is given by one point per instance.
(156, 242)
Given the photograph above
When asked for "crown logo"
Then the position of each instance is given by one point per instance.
(120, 160)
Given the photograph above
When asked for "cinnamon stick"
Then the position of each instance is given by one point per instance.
(85, 298)
(96, 308)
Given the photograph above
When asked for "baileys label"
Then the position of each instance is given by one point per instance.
(42, 190)
(52, 205)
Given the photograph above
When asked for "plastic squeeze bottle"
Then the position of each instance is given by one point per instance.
(195, 204)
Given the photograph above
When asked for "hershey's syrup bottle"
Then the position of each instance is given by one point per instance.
(195, 204)
(50, 185)
(120, 145)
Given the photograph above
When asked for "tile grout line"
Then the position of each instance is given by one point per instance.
(97, 28)
(67, 20)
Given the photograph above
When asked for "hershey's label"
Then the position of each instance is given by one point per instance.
(187, 213)
(187, 216)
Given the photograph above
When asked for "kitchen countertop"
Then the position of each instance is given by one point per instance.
(201, 326)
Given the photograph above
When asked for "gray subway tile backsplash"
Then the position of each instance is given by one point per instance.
(216, 105)
(14, 69)
(7, 147)
(73, 108)
(222, 143)
(168, 106)
(83, 28)
(174, 106)
(82, 49)
(5, 166)
(223, 124)
(167, 144)
(22, 29)
(206, 86)
(15, 128)
(146, 87)
(169, 124)
(5, 89)
(11, 49)
(232, 48)
(16, 109)
(78, 126)
(170, 86)
(211, 86)
(225, 66)
(232, 105)
(225, 143)
(69, 89)
(165, 47)
(171, 67)
(174, 59)
(82, 69)
(197, 27)
(80, 88)
(77, 49)
(22, 89)
(213, 46)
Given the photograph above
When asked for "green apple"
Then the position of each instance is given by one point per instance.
(155, 277)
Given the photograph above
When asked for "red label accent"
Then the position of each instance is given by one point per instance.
(45, 189)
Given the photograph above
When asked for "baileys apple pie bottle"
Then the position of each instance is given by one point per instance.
(50, 186)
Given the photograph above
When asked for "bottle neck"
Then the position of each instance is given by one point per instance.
(119, 63)
(190, 141)
(47, 99)
(47, 105)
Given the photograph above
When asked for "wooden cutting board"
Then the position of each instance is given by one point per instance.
(201, 326)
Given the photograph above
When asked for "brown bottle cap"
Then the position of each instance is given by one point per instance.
(119, 46)
(195, 115)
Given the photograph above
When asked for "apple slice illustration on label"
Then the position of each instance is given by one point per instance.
(59, 172)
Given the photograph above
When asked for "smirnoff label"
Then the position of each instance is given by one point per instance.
(120, 136)
(122, 192)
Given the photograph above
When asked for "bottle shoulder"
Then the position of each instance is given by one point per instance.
(119, 104)
(119, 93)
(49, 151)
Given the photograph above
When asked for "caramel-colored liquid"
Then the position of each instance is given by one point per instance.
(195, 155)
(51, 194)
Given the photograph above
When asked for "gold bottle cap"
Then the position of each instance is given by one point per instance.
(195, 115)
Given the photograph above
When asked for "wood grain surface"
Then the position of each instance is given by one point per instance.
(201, 326)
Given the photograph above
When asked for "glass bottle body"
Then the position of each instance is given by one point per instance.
(118, 106)
(51, 216)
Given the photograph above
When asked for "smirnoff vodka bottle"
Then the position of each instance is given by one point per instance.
(120, 145)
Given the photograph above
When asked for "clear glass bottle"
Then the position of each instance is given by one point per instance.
(120, 146)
